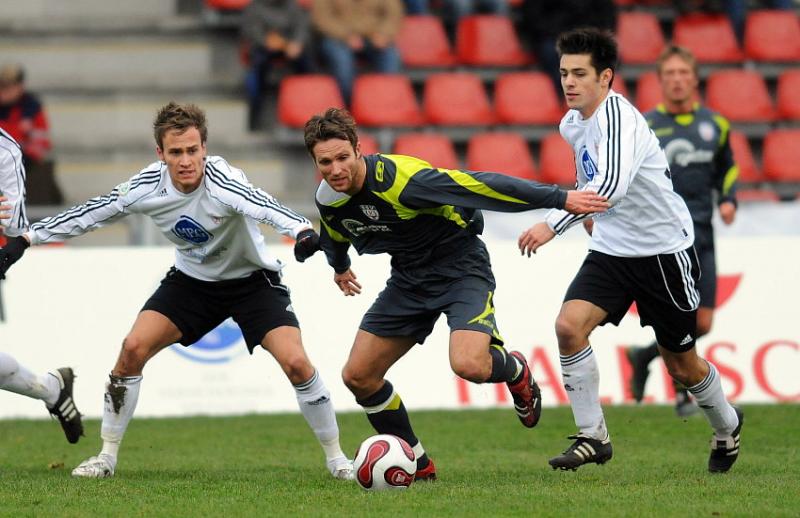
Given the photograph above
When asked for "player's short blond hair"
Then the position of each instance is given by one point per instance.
(179, 117)
(676, 50)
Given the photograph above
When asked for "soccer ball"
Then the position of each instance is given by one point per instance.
(384, 462)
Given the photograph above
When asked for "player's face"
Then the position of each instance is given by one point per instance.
(185, 154)
(584, 89)
(678, 80)
(340, 165)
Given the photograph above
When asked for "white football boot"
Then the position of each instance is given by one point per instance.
(341, 468)
(101, 466)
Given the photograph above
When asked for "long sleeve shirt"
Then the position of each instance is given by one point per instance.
(12, 185)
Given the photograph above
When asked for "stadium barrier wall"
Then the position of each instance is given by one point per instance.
(73, 306)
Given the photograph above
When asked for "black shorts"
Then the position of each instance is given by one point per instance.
(258, 303)
(664, 288)
(704, 245)
(461, 286)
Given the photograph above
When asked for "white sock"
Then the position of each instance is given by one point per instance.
(315, 404)
(16, 378)
(120, 402)
(582, 383)
(711, 399)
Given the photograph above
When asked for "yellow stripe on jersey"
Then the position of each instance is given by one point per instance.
(471, 184)
(405, 167)
(334, 235)
(724, 128)
(730, 178)
(447, 212)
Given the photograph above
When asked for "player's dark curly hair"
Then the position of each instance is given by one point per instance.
(179, 117)
(598, 43)
(335, 123)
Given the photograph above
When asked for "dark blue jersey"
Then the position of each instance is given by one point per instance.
(697, 146)
(417, 213)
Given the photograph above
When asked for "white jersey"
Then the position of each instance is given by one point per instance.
(618, 156)
(213, 228)
(12, 185)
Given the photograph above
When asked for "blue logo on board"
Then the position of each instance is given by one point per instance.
(589, 167)
(220, 345)
(189, 230)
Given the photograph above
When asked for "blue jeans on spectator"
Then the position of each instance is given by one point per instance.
(455, 9)
(342, 62)
(737, 12)
(416, 6)
(261, 63)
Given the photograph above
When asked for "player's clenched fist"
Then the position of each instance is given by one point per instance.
(11, 253)
(306, 245)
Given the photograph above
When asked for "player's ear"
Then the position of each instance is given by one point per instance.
(160, 153)
(358, 149)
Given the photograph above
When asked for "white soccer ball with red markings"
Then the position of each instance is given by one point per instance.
(384, 462)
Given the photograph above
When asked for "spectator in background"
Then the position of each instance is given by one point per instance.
(353, 28)
(735, 10)
(23, 117)
(416, 6)
(544, 20)
(273, 30)
(455, 9)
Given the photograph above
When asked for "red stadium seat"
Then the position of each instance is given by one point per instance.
(457, 99)
(385, 100)
(526, 98)
(788, 98)
(648, 92)
(369, 146)
(434, 148)
(488, 40)
(227, 5)
(301, 96)
(422, 42)
(740, 95)
(620, 87)
(557, 161)
(639, 36)
(748, 195)
(709, 37)
(506, 153)
(743, 156)
(772, 36)
(782, 155)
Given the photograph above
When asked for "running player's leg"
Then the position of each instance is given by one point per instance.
(151, 332)
(54, 388)
(369, 360)
(313, 397)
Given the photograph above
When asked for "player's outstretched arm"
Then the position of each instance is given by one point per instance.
(585, 202)
(347, 282)
(11, 253)
(530, 240)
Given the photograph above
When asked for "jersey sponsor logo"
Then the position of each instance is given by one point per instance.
(588, 165)
(190, 230)
(370, 211)
(220, 345)
(124, 187)
(356, 228)
(706, 131)
(682, 152)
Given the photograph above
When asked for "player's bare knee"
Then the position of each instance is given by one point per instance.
(471, 369)
(297, 368)
(132, 357)
(569, 334)
(360, 383)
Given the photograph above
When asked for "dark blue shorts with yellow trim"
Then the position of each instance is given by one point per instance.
(461, 287)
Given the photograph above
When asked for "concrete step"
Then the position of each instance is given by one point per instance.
(110, 62)
(126, 123)
(87, 9)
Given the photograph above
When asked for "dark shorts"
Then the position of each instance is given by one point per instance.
(461, 286)
(704, 245)
(664, 288)
(257, 303)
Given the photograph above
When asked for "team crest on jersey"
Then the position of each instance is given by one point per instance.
(190, 230)
(124, 187)
(589, 167)
(370, 211)
(706, 131)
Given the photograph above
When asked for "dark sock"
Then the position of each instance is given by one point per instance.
(392, 418)
(650, 352)
(504, 367)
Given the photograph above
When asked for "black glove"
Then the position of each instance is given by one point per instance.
(307, 245)
(11, 253)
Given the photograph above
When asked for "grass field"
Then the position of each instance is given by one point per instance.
(488, 465)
